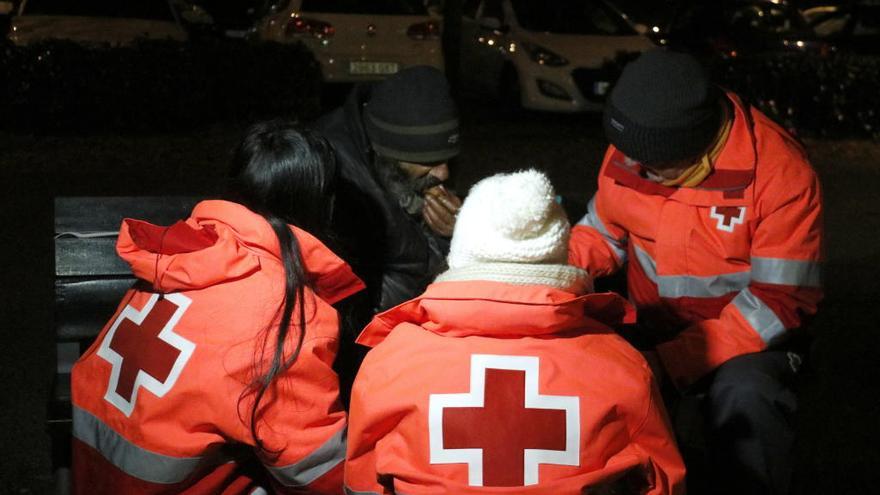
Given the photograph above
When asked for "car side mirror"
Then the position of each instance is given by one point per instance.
(493, 24)
(6, 8)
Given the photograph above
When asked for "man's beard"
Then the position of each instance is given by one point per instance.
(409, 192)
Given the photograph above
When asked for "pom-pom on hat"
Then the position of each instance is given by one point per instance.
(510, 218)
(663, 108)
(412, 117)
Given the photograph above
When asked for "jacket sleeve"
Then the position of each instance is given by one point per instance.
(784, 287)
(597, 244)
(305, 425)
(654, 437)
(366, 430)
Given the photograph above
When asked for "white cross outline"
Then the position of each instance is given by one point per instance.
(143, 379)
(734, 221)
(533, 400)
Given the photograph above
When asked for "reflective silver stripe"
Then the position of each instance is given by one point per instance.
(647, 263)
(591, 219)
(349, 491)
(133, 460)
(761, 318)
(673, 286)
(317, 464)
(786, 272)
(414, 130)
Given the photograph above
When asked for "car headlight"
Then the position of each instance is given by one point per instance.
(543, 56)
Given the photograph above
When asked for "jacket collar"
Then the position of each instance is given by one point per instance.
(465, 308)
(353, 110)
(223, 241)
(733, 171)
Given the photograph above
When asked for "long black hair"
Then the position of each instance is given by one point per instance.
(285, 173)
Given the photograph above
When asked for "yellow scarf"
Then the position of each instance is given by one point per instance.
(698, 172)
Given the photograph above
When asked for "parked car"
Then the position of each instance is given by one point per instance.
(854, 27)
(114, 22)
(6, 11)
(731, 28)
(546, 54)
(357, 40)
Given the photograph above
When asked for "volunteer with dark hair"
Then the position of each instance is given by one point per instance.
(220, 356)
(718, 216)
(393, 141)
(500, 378)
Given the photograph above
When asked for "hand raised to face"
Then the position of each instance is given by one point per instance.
(441, 208)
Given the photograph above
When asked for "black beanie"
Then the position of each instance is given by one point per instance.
(663, 108)
(411, 117)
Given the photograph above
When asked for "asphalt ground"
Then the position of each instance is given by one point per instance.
(838, 449)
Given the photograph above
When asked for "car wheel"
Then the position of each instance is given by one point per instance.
(509, 90)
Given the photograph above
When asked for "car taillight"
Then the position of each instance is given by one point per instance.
(429, 30)
(724, 47)
(310, 27)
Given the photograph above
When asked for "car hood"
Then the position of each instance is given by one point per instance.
(586, 50)
(90, 30)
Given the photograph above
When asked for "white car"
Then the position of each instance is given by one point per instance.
(547, 54)
(357, 40)
(113, 22)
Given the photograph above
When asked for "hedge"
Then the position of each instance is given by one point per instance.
(833, 96)
(153, 85)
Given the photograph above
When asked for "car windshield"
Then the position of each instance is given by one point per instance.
(741, 19)
(375, 7)
(569, 17)
(654, 13)
(133, 9)
(767, 19)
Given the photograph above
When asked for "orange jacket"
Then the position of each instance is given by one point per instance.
(510, 388)
(734, 262)
(156, 398)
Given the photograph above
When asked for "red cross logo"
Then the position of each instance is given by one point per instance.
(144, 351)
(503, 429)
(728, 216)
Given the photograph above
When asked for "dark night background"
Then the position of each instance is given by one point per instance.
(177, 140)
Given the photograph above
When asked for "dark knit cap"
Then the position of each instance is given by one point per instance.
(411, 117)
(663, 108)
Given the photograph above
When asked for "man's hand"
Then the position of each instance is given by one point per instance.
(440, 210)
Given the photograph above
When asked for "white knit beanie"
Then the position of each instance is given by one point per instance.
(508, 222)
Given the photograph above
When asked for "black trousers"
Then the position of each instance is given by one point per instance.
(747, 407)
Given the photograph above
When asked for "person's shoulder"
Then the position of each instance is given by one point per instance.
(772, 139)
(781, 157)
(402, 351)
(330, 122)
(614, 349)
(598, 354)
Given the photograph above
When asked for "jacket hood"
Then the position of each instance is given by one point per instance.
(496, 309)
(220, 242)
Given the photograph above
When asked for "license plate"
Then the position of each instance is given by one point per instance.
(367, 68)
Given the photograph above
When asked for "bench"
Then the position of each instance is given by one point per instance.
(90, 280)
